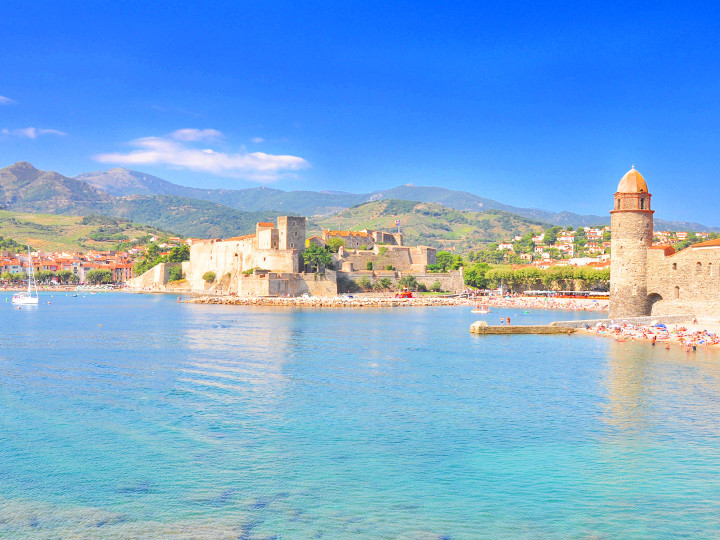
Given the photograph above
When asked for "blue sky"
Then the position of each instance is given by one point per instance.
(533, 104)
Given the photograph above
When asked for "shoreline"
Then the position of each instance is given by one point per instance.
(688, 336)
(358, 301)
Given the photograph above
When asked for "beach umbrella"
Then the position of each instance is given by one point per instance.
(660, 325)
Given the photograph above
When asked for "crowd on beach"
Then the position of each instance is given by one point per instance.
(527, 302)
(689, 337)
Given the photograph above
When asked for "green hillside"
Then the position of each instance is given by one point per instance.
(432, 224)
(23, 188)
(71, 233)
(187, 217)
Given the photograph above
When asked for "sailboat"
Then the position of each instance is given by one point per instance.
(25, 298)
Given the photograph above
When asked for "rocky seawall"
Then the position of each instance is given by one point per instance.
(370, 302)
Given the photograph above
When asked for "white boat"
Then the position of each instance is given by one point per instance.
(27, 298)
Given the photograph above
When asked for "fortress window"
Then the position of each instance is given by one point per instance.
(674, 266)
(642, 204)
(698, 268)
(710, 269)
(677, 292)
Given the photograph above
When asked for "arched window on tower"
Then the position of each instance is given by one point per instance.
(677, 292)
(698, 268)
(710, 269)
(642, 204)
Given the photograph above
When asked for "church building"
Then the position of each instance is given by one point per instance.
(656, 280)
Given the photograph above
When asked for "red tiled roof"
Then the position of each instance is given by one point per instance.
(266, 224)
(709, 243)
(236, 238)
(668, 250)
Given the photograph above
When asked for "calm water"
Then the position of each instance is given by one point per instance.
(132, 415)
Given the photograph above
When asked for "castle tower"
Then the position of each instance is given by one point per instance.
(631, 221)
(291, 232)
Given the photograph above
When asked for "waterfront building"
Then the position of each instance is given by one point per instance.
(653, 280)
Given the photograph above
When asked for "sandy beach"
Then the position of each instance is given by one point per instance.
(689, 336)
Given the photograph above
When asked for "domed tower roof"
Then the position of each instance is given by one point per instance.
(632, 182)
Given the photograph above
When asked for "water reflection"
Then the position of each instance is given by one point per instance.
(653, 391)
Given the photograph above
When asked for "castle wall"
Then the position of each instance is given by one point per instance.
(401, 258)
(451, 281)
(686, 282)
(630, 241)
(154, 279)
(287, 284)
(221, 257)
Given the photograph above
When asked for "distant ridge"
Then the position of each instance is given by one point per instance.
(23, 188)
(123, 182)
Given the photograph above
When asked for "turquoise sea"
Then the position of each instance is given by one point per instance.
(135, 416)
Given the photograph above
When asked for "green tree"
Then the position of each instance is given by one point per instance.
(98, 276)
(475, 275)
(364, 283)
(334, 244)
(525, 244)
(385, 283)
(179, 253)
(7, 276)
(445, 261)
(317, 256)
(64, 275)
(175, 273)
(209, 276)
(551, 235)
(436, 286)
(369, 265)
(44, 276)
(408, 281)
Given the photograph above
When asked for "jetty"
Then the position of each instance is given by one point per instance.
(482, 327)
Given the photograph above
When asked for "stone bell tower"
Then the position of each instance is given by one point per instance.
(631, 221)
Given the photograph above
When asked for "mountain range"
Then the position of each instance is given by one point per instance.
(216, 213)
(23, 188)
(122, 182)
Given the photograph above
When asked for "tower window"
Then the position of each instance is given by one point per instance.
(642, 204)
(674, 266)
(677, 292)
(698, 268)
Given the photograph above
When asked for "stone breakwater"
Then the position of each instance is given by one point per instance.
(330, 302)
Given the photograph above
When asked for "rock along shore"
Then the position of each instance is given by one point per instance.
(391, 301)
(330, 302)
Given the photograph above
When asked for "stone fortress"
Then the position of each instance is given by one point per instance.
(656, 280)
(270, 263)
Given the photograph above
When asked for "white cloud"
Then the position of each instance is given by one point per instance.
(196, 134)
(31, 132)
(6, 100)
(173, 151)
(257, 140)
